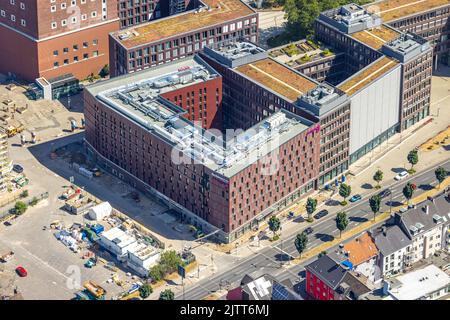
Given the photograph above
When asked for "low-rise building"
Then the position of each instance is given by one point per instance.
(327, 279)
(426, 225)
(429, 283)
(395, 250)
(361, 256)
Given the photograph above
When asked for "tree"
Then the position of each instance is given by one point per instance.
(170, 260)
(300, 242)
(311, 205)
(20, 207)
(104, 72)
(378, 177)
(24, 194)
(145, 291)
(156, 272)
(274, 224)
(167, 295)
(408, 191)
(300, 15)
(341, 222)
(344, 191)
(441, 174)
(374, 203)
(413, 158)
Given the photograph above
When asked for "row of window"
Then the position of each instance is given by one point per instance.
(75, 59)
(23, 22)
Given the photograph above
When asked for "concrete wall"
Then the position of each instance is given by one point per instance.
(374, 109)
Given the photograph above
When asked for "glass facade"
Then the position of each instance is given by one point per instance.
(373, 143)
(333, 173)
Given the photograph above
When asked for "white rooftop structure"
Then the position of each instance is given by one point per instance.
(419, 284)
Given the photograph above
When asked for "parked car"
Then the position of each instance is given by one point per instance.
(17, 168)
(401, 175)
(309, 230)
(321, 214)
(385, 193)
(355, 198)
(21, 271)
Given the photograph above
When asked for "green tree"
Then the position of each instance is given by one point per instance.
(375, 203)
(20, 207)
(157, 272)
(413, 158)
(300, 15)
(408, 191)
(104, 72)
(24, 194)
(167, 295)
(311, 205)
(300, 242)
(170, 260)
(378, 177)
(441, 174)
(341, 222)
(274, 224)
(145, 291)
(323, 253)
(344, 191)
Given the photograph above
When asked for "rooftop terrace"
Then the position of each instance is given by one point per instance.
(390, 10)
(368, 75)
(214, 12)
(376, 37)
(278, 78)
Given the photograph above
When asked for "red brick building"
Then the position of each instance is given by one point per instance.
(54, 38)
(137, 134)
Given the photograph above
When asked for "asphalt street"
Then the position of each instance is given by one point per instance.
(274, 260)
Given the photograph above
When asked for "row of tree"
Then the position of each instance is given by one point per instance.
(146, 290)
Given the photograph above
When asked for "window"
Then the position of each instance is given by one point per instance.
(74, 19)
(22, 6)
(75, 47)
(13, 17)
(93, 14)
(63, 6)
(55, 65)
(2, 13)
(53, 9)
(64, 22)
(85, 56)
(85, 44)
(95, 42)
(66, 61)
(66, 50)
(83, 17)
(95, 53)
(55, 53)
(53, 25)
(75, 59)
(23, 22)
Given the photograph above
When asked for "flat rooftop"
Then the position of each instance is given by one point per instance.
(419, 283)
(160, 79)
(376, 37)
(133, 97)
(390, 10)
(213, 12)
(278, 78)
(368, 75)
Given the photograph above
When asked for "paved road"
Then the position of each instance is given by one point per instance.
(269, 259)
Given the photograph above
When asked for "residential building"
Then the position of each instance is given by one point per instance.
(361, 256)
(55, 38)
(264, 287)
(395, 250)
(174, 37)
(426, 226)
(429, 283)
(327, 279)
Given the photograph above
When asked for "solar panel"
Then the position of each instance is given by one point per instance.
(279, 292)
